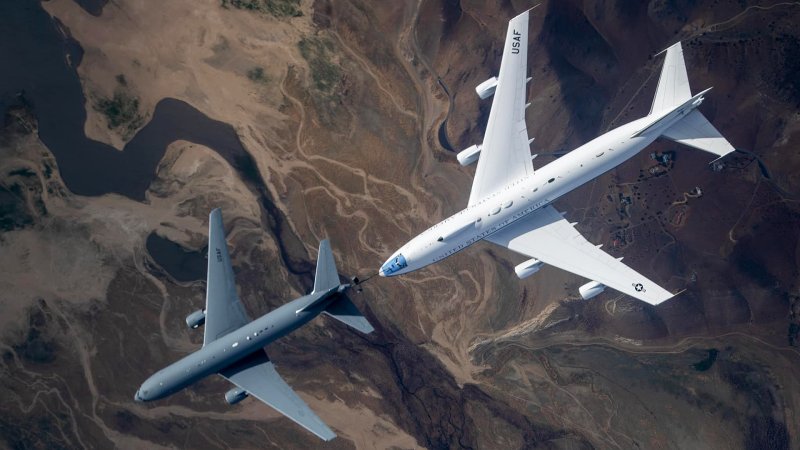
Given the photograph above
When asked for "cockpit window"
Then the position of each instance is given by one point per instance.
(397, 263)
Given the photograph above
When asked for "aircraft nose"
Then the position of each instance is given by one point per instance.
(137, 397)
(393, 265)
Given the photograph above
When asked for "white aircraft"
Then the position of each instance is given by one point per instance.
(511, 204)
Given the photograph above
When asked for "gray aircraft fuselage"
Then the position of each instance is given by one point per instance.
(236, 345)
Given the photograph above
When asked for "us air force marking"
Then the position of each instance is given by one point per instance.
(639, 287)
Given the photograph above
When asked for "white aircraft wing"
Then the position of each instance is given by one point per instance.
(224, 311)
(548, 237)
(505, 152)
(256, 374)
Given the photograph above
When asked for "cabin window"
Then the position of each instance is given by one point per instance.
(440, 239)
(600, 154)
(551, 180)
(508, 204)
(235, 344)
(535, 189)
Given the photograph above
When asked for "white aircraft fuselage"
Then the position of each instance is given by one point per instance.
(526, 195)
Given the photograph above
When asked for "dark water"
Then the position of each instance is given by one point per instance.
(443, 139)
(181, 263)
(38, 71)
(93, 7)
(706, 364)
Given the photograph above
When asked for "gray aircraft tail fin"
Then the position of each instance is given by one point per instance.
(346, 312)
(327, 277)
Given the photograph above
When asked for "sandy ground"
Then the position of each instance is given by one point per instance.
(362, 166)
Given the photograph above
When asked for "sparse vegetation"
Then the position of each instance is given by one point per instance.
(14, 211)
(121, 110)
(38, 346)
(706, 364)
(257, 75)
(276, 8)
(325, 74)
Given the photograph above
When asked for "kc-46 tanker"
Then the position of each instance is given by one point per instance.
(233, 345)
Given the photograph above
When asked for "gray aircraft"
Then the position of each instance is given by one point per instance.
(233, 344)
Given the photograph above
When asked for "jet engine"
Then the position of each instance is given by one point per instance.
(196, 319)
(591, 289)
(235, 395)
(469, 155)
(528, 268)
(486, 89)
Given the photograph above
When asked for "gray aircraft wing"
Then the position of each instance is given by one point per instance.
(224, 311)
(257, 375)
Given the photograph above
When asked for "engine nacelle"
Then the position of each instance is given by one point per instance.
(486, 89)
(591, 289)
(469, 155)
(196, 319)
(235, 395)
(528, 268)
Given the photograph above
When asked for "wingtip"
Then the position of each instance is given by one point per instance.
(329, 438)
(526, 11)
(671, 46)
(215, 215)
(326, 434)
(673, 296)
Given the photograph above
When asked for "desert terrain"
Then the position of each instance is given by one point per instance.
(126, 122)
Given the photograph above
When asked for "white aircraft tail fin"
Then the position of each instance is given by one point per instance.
(673, 85)
(673, 93)
(696, 131)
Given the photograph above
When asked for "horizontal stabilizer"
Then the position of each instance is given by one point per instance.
(346, 312)
(696, 131)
